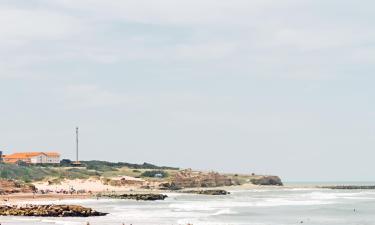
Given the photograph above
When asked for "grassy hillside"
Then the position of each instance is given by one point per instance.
(34, 173)
(29, 173)
(108, 166)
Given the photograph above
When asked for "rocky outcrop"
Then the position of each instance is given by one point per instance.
(169, 186)
(54, 182)
(122, 182)
(12, 186)
(191, 179)
(350, 187)
(266, 180)
(208, 192)
(49, 211)
(138, 197)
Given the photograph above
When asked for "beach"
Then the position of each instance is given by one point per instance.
(92, 187)
(247, 204)
(258, 206)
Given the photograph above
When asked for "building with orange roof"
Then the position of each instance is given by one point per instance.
(33, 157)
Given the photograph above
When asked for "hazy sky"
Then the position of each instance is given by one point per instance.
(281, 87)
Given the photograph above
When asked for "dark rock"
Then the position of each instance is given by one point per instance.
(208, 192)
(350, 187)
(267, 180)
(138, 197)
(169, 186)
(49, 211)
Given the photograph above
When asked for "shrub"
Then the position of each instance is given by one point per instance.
(154, 173)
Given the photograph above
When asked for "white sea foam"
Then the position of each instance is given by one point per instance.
(200, 222)
(64, 222)
(236, 209)
(338, 195)
(224, 212)
(269, 202)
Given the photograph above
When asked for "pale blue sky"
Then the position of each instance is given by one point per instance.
(265, 86)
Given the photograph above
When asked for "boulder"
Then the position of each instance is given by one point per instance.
(169, 186)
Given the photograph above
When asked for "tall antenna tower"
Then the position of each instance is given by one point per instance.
(77, 145)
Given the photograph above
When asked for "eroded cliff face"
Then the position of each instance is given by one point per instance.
(12, 186)
(192, 179)
(266, 180)
(195, 179)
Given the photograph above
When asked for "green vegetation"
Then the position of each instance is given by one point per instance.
(104, 165)
(36, 173)
(65, 170)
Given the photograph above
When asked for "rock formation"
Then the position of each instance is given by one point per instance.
(191, 179)
(122, 182)
(169, 186)
(266, 180)
(12, 186)
(138, 197)
(208, 192)
(350, 187)
(49, 211)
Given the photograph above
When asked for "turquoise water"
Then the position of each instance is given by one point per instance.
(259, 207)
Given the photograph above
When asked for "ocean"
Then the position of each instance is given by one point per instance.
(268, 206)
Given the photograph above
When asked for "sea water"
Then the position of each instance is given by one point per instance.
(258, 207)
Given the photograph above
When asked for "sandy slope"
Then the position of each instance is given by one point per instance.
(93, 185)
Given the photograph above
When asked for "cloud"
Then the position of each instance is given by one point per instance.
(170, 12)
(24, 25)
(92, 96)
(258, 38)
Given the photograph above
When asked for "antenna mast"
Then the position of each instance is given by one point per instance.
(77, 145)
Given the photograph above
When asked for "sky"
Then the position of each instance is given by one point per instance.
(264, 86)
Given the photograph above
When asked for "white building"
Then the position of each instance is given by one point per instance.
(33, 157)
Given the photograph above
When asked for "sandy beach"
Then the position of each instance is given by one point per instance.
(25, 197)
(91, 187)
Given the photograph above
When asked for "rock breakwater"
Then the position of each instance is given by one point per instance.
(138, 197)
(350, 187)
(208, 192)
(49, 211)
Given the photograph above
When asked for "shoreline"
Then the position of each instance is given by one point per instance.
(20, 198)
(23, 198)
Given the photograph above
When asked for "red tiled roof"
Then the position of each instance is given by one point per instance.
(26, 155)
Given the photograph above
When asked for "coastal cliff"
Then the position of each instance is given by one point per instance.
(192, 179)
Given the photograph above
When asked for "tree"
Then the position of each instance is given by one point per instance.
(65, 162)
(21, 163)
